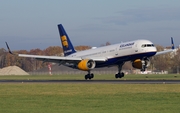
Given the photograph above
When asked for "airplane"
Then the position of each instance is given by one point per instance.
(138, 52)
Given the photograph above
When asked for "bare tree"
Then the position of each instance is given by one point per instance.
(161, 62)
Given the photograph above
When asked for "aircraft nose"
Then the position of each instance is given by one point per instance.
(155, 49)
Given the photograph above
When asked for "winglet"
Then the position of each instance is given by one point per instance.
(8, 48)
(172, 43)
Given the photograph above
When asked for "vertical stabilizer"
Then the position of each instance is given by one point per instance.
(172, 43)
(66, 43)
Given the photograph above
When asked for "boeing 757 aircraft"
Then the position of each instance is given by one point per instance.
(138, 52)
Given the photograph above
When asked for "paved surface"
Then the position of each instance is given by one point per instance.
(96, 81)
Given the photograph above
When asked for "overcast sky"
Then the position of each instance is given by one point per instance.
(30, 24)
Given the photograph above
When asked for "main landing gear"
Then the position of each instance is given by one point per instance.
(89, 76)
(119, 74)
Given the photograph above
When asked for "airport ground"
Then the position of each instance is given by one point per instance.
(88, 98)
(96, 77)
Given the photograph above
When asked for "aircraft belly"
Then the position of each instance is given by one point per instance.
(119, 60)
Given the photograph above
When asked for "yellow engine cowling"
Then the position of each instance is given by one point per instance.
(86, 64)
(137, 64)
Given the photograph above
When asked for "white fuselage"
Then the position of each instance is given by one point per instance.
(121, 52)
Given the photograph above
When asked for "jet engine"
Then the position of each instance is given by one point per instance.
(86, 64)
(138, 63)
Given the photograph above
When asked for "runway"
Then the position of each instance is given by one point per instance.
(96, 81)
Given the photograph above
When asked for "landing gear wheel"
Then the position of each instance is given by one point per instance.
(119, 75)
(116, 76)
(92, 75)
(89, 76)
(122, 74)
(86, 77)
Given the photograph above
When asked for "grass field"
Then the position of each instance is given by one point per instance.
(89, 98)
(97, 77)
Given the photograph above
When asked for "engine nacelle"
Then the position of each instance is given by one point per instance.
(86, 64)
(138, 63)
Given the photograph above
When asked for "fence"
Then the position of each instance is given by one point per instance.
(72, 72)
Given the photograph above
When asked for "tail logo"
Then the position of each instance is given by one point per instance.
(64, 41)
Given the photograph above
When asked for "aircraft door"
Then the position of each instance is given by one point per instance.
(116, 51)
(136, 48)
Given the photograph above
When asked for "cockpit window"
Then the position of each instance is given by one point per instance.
(147, 45)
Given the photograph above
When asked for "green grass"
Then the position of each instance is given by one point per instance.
(97, 77)
(89, 98)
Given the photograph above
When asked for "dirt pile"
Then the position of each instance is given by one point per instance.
(12, 70)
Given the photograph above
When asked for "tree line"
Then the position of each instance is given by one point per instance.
(169, 61)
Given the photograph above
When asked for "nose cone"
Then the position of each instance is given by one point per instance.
(154, 49)
(151, 51)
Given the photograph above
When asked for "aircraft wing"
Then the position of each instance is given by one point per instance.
(164, 52)
(167, 51)
(58, 59)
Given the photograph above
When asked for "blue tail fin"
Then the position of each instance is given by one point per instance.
(66, 43)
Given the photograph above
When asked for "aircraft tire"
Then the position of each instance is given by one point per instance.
(116, 76)
(122, 74)
(86, 77)
(89, 76)
(92, 75)
(119, 75)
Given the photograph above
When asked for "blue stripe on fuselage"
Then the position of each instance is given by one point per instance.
(119, 60)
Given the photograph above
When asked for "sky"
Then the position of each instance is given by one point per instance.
(31, 24)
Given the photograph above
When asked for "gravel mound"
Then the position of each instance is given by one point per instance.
(12, 70)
